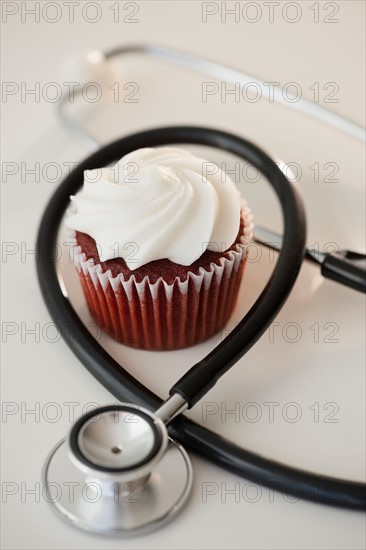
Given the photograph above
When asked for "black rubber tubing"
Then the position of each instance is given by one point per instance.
(255, 468)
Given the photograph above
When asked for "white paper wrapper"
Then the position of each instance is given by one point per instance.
(163, 316)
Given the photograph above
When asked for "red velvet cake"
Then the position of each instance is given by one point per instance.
(160, 304)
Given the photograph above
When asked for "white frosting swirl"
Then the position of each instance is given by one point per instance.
(163, 202)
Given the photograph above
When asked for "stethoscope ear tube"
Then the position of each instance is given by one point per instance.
(345, 272)
(124, 387)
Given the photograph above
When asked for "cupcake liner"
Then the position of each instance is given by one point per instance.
(161, 316)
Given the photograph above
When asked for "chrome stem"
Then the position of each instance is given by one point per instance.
(171, 408)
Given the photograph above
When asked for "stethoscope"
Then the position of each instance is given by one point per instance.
(126, 465)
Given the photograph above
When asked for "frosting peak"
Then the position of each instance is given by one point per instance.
(157, 203)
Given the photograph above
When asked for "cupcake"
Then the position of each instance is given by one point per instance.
(160, 248)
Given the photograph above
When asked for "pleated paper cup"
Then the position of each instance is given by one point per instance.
(162, 316)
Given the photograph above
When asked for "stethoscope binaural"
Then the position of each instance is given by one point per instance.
(126, 465)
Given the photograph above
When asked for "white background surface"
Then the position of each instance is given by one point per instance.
(37, 373)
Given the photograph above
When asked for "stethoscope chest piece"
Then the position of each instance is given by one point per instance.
(118, 472)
